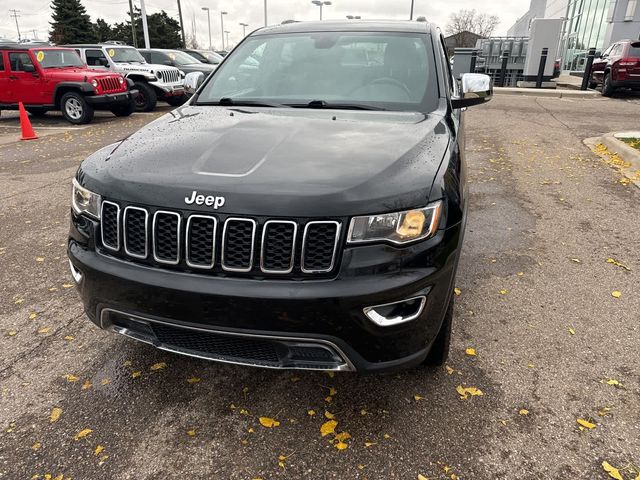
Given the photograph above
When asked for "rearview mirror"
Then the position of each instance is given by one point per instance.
(477, 88)
(192, 82)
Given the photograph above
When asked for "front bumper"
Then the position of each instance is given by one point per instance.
(168, 90)
(110, 99)
(204, 312)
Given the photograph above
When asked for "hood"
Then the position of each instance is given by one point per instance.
(78, 74)
(143, 67)
(276, 162)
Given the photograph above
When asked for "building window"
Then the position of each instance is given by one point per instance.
(631, 10)
(612, 10)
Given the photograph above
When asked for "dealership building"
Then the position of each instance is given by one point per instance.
(587, 23)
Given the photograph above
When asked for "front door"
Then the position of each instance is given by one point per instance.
(24, 86)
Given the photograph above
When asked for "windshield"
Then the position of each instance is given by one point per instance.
(58, 58)
(181, 58)
(393, 71)
(125, 55)
(212, 57)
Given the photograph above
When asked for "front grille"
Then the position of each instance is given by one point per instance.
(221, 245)
(110, 84)
(170, 76)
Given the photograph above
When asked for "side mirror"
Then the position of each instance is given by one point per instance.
(29, 68)
(192, 82)
(104, 62)
(477, 88)
(167, 62)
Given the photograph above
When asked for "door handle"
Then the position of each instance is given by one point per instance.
(13, 77)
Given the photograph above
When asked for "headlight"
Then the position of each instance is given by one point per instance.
(85, 201)
(94, 82)
(121, 80)
(182, 74)
(398, 227)
(159, 75)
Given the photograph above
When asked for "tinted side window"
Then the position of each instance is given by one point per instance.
(147, 56)
(1, 61)
(158, 57)
(96, 58)
(18, 60)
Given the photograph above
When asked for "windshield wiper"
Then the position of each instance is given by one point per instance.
(336, 106)
(231, 102)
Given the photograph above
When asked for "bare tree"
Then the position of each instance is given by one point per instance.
(465, 22)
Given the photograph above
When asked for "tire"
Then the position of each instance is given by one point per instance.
(440, 349)
(147, 97)
(124, 110)
(176, 101)
(75, 109)
(37, 111)
(607, 88)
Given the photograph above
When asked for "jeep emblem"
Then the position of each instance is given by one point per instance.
(208, 200)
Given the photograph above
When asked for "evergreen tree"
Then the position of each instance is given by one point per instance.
(164, 31)
(70, 24)
(102, 30)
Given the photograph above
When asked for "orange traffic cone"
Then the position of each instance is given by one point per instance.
(25, 124)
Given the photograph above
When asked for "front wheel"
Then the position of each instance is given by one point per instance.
(176, 101)
(124, 110)
(440, 349)
(607, 87)
(147, 97)
(75, 108)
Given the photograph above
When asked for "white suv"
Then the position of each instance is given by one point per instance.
(153, 82)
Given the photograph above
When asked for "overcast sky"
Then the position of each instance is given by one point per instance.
(35, 14)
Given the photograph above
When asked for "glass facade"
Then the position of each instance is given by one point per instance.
(585, 27)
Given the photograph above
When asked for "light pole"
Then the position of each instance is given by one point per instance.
(244, 29)
(227, 33)
(265, 13)
(222, 14)
(320, 3)
(209, 21)
(411, 15)
(145, 29)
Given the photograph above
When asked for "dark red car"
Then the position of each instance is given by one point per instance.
(617, 67)
(47, 78)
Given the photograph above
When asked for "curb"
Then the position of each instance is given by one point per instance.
(541, 92)
(615, 151)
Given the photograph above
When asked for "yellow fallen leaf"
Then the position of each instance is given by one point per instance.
(457, 291)
(464, 392)
(417, 398)
(330, 415)
(69, 338)
(44, 330)
(504, 291)
(268, 422)
(99, 449)
(36, 446)
(572, 331)
(67, 285)
(82, 433)
(576, 260)
(616, 294)
(450, 370)
(127, 363)
(136, 374)
(70, 377)
(19, 301)
(360, 466)
(618, 264)
(520, 274)
(39, 259)
(244, 411)
(311, 413)
(191, 433)
(530, 365)
(341, 437)
(55, 414)
(328, 399)
(614, 382)
(12, 333)
(369, 444)
(104, 381)
(363, 412)
(422, 477)
(471, 352)
(193, 380)
(604, 411)
(328, 427)
(585, 423)
(612, 471)
(341, 445)
(32, 315)
(158, 366)
(87, 385)
(523, 411)
(295, 379)
(387, 436)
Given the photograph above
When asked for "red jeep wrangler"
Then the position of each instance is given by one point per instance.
(49, 78)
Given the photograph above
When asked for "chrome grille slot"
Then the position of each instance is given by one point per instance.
(166, 237)
(135, 230)
(319, 246)
(238, 238)
(277, 252)
(110, 221)
(170, 76)
(200, 241)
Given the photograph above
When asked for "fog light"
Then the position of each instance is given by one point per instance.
(395, 313)
(77, 274)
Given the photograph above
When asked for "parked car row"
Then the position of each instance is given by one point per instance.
(617, 67)
(78, 79)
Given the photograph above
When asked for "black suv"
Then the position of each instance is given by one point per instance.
(305, 209)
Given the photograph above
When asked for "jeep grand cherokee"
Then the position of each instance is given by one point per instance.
(305, 209)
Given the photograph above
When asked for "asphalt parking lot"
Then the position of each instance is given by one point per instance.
(553, 345)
